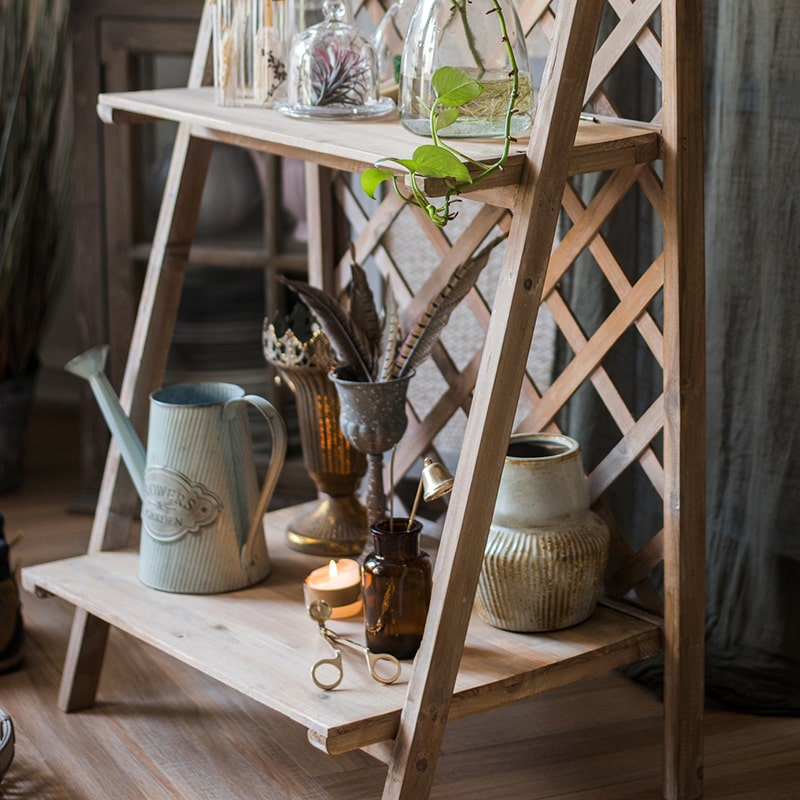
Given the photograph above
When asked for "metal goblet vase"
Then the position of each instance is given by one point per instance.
(373, 419)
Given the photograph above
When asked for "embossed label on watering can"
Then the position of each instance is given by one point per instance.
(173, 505)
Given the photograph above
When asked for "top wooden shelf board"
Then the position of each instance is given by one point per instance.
(353, 145)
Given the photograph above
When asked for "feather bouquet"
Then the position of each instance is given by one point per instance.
(371, 347)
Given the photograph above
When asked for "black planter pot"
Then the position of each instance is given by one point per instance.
(16, 400)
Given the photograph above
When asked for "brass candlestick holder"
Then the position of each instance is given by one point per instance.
(336, 523)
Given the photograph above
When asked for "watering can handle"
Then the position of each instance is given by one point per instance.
(278, 431)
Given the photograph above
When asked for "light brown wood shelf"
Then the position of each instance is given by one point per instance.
(354, 145)
(261, 642)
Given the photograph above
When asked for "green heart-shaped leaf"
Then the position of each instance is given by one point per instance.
(436, 162)
(446, 118)
(409, 163)
(372, 178)
(453, 87)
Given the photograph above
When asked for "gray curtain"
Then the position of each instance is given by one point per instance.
(753, 318)
(753, 327)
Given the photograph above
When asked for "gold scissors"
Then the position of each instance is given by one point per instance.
(320, 612)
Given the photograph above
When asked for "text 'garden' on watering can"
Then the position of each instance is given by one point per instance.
(202, 511)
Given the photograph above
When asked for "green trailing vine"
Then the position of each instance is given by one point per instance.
(452, 90)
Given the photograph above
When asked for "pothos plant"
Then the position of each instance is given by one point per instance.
(452, 89)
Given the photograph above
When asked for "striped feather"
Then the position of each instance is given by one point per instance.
(348, 342)
(391, 333)
(363, 313)
(426, 330)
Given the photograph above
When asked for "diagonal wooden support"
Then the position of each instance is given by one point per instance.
(630, 447)
(646, 41)
(155, 321)
(425, 713)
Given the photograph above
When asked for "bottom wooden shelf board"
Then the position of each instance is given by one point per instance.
(262, 642)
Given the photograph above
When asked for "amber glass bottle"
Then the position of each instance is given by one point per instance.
(396, 580)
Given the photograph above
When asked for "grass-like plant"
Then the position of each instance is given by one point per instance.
(34, 175)
(339, 76)
(453, 89)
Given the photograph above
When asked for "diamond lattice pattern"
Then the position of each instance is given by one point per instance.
(418, 258)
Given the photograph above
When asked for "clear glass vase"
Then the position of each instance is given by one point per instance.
(272, 33)
(250, 43)
(468, 35)
(389, 39)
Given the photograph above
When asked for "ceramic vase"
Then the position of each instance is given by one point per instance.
(546, 553)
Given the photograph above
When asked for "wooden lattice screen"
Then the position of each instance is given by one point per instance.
(630, 26)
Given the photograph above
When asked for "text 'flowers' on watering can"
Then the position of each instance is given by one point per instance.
(202, 511)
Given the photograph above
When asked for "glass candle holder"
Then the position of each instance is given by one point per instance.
(396, 588)
(338, 584)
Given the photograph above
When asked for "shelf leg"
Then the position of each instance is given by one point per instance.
(83, 662)
(147, 358)
(326, 232)
(684, 394)
(155, 321)
(536, 211)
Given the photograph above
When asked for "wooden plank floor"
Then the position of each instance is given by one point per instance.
(161, 730)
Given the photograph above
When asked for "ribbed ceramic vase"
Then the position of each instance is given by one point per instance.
(547, 552)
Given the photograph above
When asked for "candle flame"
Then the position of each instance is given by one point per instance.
(333, 570)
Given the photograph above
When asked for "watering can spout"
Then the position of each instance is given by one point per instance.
(90, 366)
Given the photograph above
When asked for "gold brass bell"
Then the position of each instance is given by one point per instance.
(435, 482)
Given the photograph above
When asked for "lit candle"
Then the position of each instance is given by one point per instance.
(339, 585)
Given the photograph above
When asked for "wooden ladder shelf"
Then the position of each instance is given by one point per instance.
(464, 666)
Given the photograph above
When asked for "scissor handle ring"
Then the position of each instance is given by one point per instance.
(373, 659)
(336, 663)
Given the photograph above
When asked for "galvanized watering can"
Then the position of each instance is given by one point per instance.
(202, 511)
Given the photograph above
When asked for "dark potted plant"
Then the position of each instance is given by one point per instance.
(34, 179)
